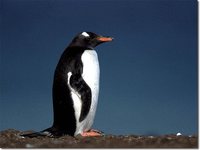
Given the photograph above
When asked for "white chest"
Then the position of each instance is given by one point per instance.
(90, 68)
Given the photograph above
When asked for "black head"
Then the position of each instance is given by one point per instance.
(89, 40)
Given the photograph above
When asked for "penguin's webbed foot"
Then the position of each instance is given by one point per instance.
(92, 133)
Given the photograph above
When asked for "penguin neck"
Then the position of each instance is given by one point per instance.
(81, 47)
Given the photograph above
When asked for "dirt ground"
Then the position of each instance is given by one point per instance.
(11, 139)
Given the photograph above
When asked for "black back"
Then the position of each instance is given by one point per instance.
(64, 115)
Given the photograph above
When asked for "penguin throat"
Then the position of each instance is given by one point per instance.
(82, 47)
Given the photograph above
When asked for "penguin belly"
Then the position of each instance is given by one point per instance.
(91, 75)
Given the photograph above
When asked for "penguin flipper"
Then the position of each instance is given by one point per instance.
(78, 84)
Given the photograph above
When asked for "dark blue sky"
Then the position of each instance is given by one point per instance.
(148, 73)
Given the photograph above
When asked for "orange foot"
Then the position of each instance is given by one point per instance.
(92, 133)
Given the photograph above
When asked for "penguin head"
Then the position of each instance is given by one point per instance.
(89, 40)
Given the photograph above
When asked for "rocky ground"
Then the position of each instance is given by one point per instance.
(11, 139)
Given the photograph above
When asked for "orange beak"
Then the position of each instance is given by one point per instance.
(105, 39)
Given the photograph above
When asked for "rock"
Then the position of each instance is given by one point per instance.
(178, 134)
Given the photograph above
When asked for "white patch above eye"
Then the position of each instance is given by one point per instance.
(85, 34)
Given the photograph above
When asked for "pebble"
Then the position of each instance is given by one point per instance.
(190, 136)
(29, 146)
(178, 134)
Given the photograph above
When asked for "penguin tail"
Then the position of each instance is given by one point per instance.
(44, 133)
(34, 134)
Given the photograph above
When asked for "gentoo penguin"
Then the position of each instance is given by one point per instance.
(76, 88)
